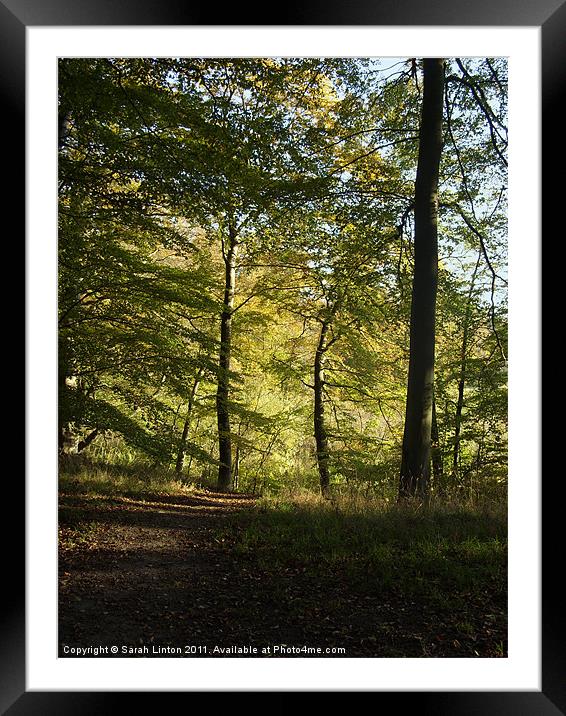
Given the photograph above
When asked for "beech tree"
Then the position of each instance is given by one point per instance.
(415, 460)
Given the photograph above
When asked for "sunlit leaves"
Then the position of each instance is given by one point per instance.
(313, 160)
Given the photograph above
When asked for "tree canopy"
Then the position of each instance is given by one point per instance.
(238, 240)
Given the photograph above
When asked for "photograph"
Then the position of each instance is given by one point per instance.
(283, 371)
(282, 357)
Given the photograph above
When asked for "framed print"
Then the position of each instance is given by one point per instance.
(47, 668)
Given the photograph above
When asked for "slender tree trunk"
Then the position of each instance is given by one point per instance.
(236, 467)
(190, 456)
(415, 461)
(437, 466)
(186, 424)
(462, 376)
(223, 390)
(62, 423)
(320, 435)
(63, 128)
(181, 451)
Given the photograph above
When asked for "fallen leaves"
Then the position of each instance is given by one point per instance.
(168, 573)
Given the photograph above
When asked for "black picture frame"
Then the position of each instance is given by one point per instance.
(550, 16)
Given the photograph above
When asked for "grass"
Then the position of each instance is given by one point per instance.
(387, 579)
(441, 551)
(97, 484)
(86, 478)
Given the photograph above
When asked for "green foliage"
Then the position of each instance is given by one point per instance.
(442, 549)
(121, 477)
(313, 160)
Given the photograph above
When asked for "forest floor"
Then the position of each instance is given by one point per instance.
(208, 575)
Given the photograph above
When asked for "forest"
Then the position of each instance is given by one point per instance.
(282, 348)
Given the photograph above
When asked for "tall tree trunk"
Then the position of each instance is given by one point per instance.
(63, 427)
(223, 390)
(462, 376)
(320, 435)
(186, 424)
(415, 461)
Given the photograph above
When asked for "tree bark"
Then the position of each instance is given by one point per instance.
(236, 476)
(437, 466)
(415, 461)
(320, 434)
(186, 424)
(223, 391)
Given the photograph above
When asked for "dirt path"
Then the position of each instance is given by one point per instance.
(159, 577)
(152, 572)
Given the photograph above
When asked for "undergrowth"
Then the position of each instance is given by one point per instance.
(137, 480)
(440, 550)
